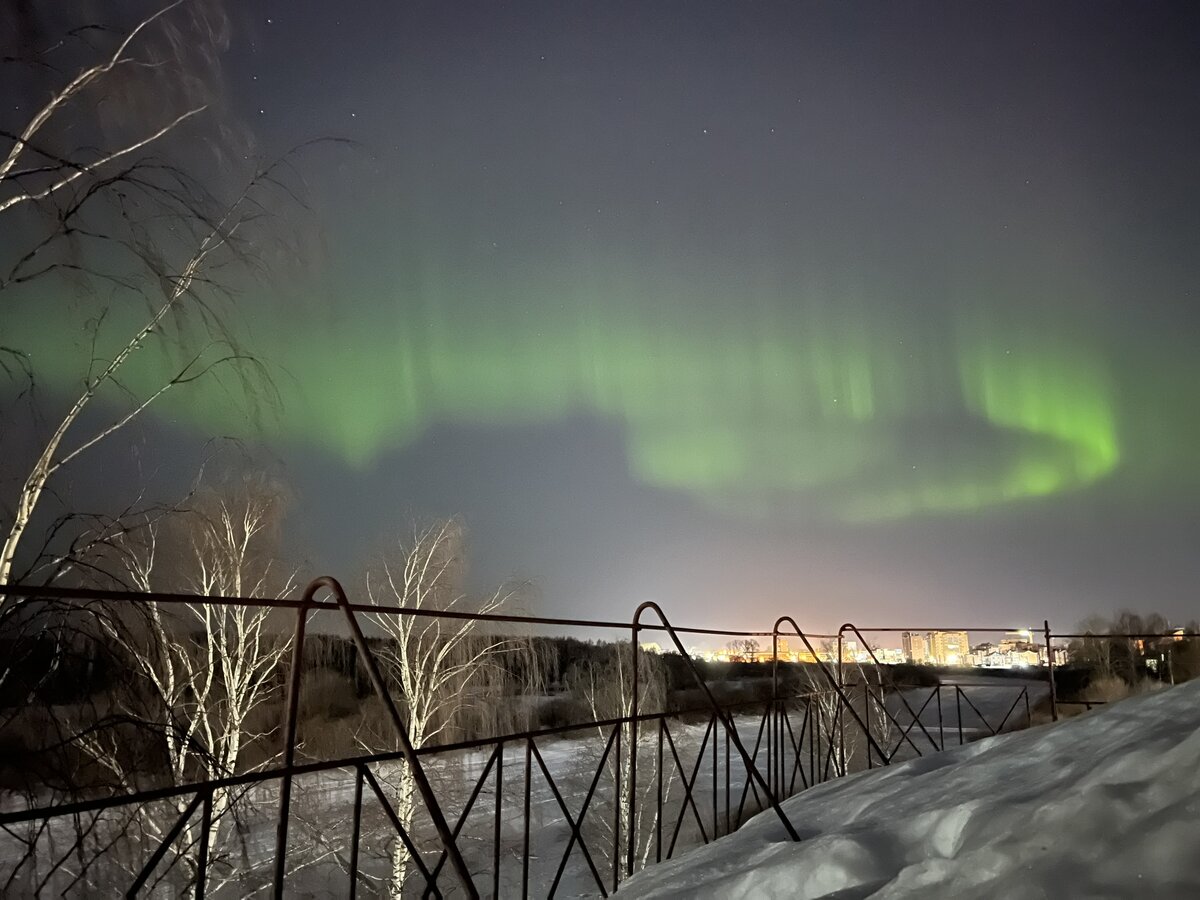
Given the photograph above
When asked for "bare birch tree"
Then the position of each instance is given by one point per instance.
(204, 671)
(606, 686)
(836, 734)
(452, 677)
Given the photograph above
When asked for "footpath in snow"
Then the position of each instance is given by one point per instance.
(1106, 805)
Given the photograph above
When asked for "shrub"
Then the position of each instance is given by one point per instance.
(329, 694)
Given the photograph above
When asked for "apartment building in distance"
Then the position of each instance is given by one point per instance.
(936, 648)
(949, 648)
(915, 646)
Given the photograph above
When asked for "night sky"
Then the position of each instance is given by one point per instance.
(880, 312)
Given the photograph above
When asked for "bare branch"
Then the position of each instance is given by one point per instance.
(77, 84)
(91, 168)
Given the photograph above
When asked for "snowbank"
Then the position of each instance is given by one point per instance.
(1105, 805)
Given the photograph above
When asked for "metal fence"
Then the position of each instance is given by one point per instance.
(655, 782)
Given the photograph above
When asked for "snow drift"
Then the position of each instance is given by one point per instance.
(1105, 805)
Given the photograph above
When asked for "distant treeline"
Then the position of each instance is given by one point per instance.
(57, 673)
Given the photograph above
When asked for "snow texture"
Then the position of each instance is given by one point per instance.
(1105, 805)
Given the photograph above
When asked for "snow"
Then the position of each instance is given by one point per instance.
(1104, 805)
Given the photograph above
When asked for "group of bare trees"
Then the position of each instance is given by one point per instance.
(114, 243)
(200, 675)
(127, 228)
(199, 698)
(1132, 651)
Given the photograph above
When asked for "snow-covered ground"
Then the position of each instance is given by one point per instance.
(1106, 805)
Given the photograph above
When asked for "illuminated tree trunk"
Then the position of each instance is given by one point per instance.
(448, 674)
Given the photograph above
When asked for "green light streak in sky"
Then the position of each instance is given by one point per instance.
(811, 406)
(1051, 400)
(1063, 396)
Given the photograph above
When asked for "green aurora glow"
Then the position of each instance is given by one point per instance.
(805, 405)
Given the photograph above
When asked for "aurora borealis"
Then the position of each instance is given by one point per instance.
(766, 406)
(913, 284)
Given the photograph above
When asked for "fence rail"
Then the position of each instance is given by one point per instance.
(668, 779)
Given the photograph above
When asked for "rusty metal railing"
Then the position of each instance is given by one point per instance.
(196, 799)
(751, 755)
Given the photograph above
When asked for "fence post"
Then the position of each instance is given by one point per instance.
(958, 711)
(941, 721)
(633, 743)
(773, 723)
(840, 722)
(867, 717)
(1050, 667)
(289, 740)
